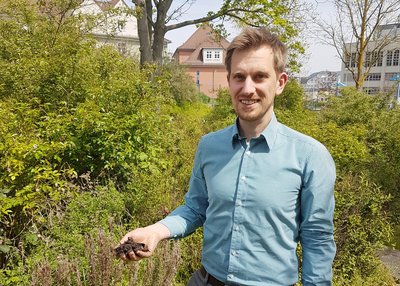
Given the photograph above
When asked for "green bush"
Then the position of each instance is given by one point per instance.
(181, 85)
(223, 113)
(292, 97)
(379, 276)
(377, 127)
(362, 226)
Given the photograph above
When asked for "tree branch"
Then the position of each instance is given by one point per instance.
(219, 14)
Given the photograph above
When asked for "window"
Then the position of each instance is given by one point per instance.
(371, 90)
(389, 58)
(389, 75)
(392, 58)
(346, 61)
(212, 56)
(368, 59)
(351, 60)
(120, 25)
(373, 77)
(379, 61)
(122, 49)
(373, 58)
(396, 57)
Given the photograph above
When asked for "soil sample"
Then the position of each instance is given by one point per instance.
(128, 246)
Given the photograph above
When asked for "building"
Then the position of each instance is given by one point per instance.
(203, 54)
(384, 64)
(115, 29)
(319, 86)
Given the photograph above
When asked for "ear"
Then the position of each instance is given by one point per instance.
(281, 82)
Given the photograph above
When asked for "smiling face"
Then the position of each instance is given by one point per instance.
(253, 85)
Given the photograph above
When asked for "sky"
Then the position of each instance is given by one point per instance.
(320, 57)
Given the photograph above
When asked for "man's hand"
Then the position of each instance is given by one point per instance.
(148, 237)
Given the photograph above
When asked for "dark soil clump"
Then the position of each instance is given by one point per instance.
(128, 246)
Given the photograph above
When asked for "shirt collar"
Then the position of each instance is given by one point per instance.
(269, 133)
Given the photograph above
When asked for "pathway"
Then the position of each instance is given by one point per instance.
(391, 259)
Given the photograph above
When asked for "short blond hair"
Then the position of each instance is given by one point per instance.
(251, 38)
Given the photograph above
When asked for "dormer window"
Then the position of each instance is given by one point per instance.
(212, 56)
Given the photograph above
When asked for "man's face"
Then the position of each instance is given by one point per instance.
(253, 84)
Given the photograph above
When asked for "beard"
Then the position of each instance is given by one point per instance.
(255, 113)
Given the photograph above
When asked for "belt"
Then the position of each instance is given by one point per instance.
(211, 279)
(214, 281)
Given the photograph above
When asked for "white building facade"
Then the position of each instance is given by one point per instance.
(384, 66)
(114, 26)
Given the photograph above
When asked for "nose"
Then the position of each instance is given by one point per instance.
(248, 86)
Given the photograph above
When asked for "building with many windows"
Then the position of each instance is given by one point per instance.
(383, 64)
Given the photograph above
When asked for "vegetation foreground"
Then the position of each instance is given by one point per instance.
(92, 145)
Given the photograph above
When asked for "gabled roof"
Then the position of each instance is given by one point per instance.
(204, 37)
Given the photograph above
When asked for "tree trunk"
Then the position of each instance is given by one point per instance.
(158, 45)
(360, 74)
(363, 48)
(144, 33)
(159, 30)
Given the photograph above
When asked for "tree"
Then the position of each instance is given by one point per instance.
(154, 15)
(361, 33)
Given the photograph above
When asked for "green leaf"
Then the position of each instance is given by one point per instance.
(5, 248)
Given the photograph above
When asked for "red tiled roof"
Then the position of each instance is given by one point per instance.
(205, 38)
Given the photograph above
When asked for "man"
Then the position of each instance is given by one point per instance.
(257, 187)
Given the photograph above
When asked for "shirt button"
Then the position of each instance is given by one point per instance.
(239, 203)
(230, 276)
(236, 227)
(243, 178)
(234, 252)
(248, 153)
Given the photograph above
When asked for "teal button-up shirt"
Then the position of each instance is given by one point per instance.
(256, 201)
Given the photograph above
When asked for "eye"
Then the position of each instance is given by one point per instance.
(260, 76)
(238, 77)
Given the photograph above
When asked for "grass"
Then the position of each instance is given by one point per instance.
(103, 269)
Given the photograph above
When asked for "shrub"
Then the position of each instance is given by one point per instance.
(362, 226)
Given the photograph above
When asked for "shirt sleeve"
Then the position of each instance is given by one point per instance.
(316, 226)
(188, 217)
